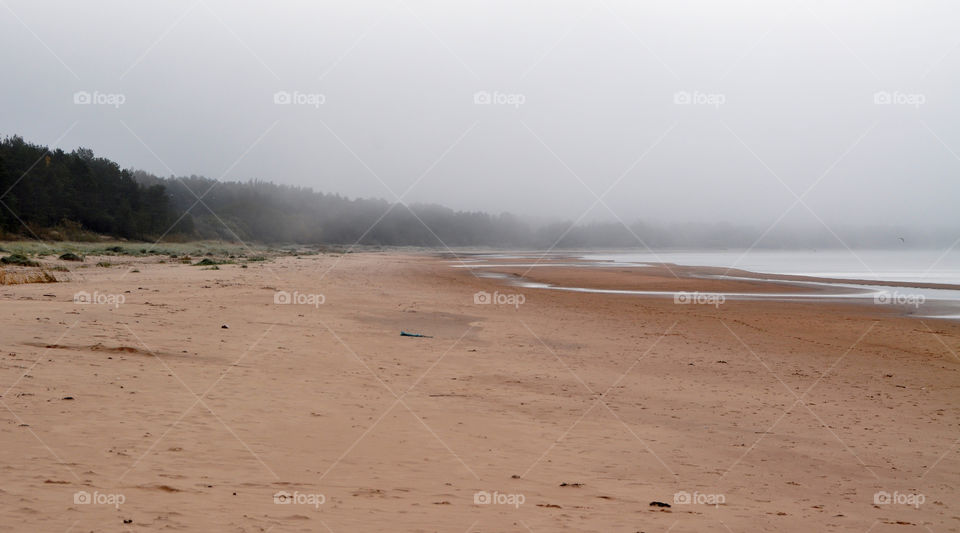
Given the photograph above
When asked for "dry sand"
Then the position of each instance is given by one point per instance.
(583, 407)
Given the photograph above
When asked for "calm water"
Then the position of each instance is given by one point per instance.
(914, 266)
(934, 266)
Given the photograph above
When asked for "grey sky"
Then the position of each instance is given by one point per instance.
(783, 95)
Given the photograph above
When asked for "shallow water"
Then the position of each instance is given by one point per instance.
(918, 266)
(892, 266)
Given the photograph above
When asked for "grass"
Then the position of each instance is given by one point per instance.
(209, 253)
(206, 261)
(34, 276)
(18, 259)
(135, 249)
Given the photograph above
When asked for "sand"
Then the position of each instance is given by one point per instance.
(572, 412)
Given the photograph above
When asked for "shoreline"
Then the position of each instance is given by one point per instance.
(669, 280)
(573, 259)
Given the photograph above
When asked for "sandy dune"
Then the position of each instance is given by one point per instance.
(572, 412)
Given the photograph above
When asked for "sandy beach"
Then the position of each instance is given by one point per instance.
(184, 399)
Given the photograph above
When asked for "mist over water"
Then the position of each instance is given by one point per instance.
(915, 266)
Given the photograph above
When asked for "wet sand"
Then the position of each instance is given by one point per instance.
(574, 411)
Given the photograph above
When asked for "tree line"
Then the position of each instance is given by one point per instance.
(42, 188)
(67, 195)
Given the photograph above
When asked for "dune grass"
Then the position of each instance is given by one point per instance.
(17, 277)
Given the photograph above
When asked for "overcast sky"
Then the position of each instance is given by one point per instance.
(668, 111)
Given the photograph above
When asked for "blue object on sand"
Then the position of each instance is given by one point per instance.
(405, 334)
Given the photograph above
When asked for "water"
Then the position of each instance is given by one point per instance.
(916, 266)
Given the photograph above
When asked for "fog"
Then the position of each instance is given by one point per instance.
(764, 114)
